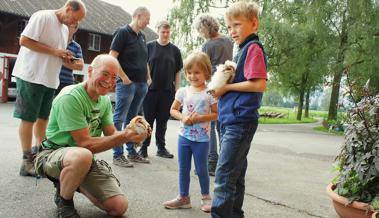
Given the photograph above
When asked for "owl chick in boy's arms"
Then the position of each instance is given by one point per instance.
(224, 74)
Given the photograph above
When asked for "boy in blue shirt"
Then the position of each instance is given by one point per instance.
(238, 109)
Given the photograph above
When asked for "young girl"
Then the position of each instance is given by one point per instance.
(198, 109)
(219, 48)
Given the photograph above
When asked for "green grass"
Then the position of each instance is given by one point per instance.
(322, 129)
(285, 120)
(290, 116)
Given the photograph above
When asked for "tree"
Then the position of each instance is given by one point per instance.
(297, 47)
(357, 45)
(325, 99)
(272, 98)
(306, 42)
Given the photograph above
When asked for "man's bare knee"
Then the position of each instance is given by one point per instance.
(78, 156)
(116, 206)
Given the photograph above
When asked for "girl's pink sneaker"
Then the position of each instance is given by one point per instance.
(179, 202)
(206, 204)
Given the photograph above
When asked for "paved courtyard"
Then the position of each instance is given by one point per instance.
(289, 168)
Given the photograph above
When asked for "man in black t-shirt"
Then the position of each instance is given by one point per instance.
(165, 62)
(129, 47)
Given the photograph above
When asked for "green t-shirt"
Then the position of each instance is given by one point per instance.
(73, 109)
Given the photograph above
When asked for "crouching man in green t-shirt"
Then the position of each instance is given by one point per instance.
(79, 115)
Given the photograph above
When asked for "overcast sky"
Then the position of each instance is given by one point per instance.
(158, 8)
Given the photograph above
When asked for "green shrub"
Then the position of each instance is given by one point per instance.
(358, 161)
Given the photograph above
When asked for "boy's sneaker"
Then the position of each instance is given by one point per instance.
(164, 153)
(143, 152)
(66, 209)
(138, 158)
(121, 161)
(27, 166)
(179, 202)
(212, 167)
(206, 204)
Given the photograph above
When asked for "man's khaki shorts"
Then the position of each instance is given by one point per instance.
(99, 182)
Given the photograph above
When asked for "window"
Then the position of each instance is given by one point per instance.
(21, 26)
(94, 42)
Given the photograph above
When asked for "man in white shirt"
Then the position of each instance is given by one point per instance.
(42, 53)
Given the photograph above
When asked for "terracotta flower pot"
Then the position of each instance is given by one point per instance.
(344, 210)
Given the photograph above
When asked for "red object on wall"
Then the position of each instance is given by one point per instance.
(5, 78)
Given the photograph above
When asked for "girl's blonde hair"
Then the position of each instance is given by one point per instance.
(201, 60)
(248, 9)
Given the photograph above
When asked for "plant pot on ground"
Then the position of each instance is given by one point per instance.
(357, 164)
(345, 209)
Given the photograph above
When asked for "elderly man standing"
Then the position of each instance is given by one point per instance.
(42, 53)
(129, 47)
(79, 116)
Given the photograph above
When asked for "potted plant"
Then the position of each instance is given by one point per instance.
(356, 186)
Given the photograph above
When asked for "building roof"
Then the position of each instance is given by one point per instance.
(102, 17)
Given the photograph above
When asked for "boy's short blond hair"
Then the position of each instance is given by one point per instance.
(247, 9)
(162, 24)
(201, 60)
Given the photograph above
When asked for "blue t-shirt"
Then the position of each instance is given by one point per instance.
(65, 76)
(199, 102)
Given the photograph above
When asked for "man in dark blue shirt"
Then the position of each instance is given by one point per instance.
(129, 47)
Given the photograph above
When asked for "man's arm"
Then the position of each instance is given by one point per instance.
(40, 47)
(125, 79)
(177, 81)
(111, 139)
(179, 63)
(148, 76)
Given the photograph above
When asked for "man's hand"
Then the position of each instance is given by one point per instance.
(126, 81)
(133, 136)
(66, 55)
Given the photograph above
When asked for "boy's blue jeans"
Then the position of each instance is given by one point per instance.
(229, 188)
(199, 151)
(129, 100)
(213, 154)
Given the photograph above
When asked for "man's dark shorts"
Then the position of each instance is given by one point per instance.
(33, 101)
